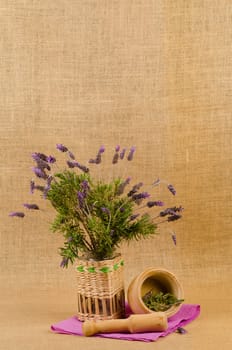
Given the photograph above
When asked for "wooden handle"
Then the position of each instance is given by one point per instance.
(152, 322)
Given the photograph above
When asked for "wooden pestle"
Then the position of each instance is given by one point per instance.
(139, 323)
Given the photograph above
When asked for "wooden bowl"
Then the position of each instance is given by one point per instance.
(155, 279)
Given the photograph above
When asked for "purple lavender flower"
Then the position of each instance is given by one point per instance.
(70, 164)
(71, 155)
(51, 159)
(36, 156)
(131, 153)
(133, 217)
(81, 195)
(159, 203)
(135, 189)
(122, 186)
(41, 160)
(174, 217)
(32, 186)
(121, 189)
(117, 148)
(31, 206)
(85, 185)
(122, 154)
(138, 197)
(115, 158)
(18, 214)
(40, 173)
(167, 211)
(81, 198)
(181, 330)
(48, 186)
(43, 165)
(101, 149)
(39, 156)
(141, 195)
(78, 165)
(171, 189)
(61, 147)
(171, 211)
(98, 158)
(178, 209)
(82, 167)
(151, 204)
(174, 237)
(105, 210)
(64, 262)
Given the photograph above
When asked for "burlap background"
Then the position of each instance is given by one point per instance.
(155, 74)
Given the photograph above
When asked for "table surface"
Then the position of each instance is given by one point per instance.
(26, 317)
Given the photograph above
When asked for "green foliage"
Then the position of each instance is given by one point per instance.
(95, 217)
(92, 217)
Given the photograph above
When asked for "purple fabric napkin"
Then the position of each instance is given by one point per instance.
(186, 314)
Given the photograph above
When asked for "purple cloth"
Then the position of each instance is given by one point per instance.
(186, 314)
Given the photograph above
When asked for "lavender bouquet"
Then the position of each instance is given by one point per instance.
(95, 216)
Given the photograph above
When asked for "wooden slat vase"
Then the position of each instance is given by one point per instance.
(100, 289)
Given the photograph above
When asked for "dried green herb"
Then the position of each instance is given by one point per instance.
(161, 301)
